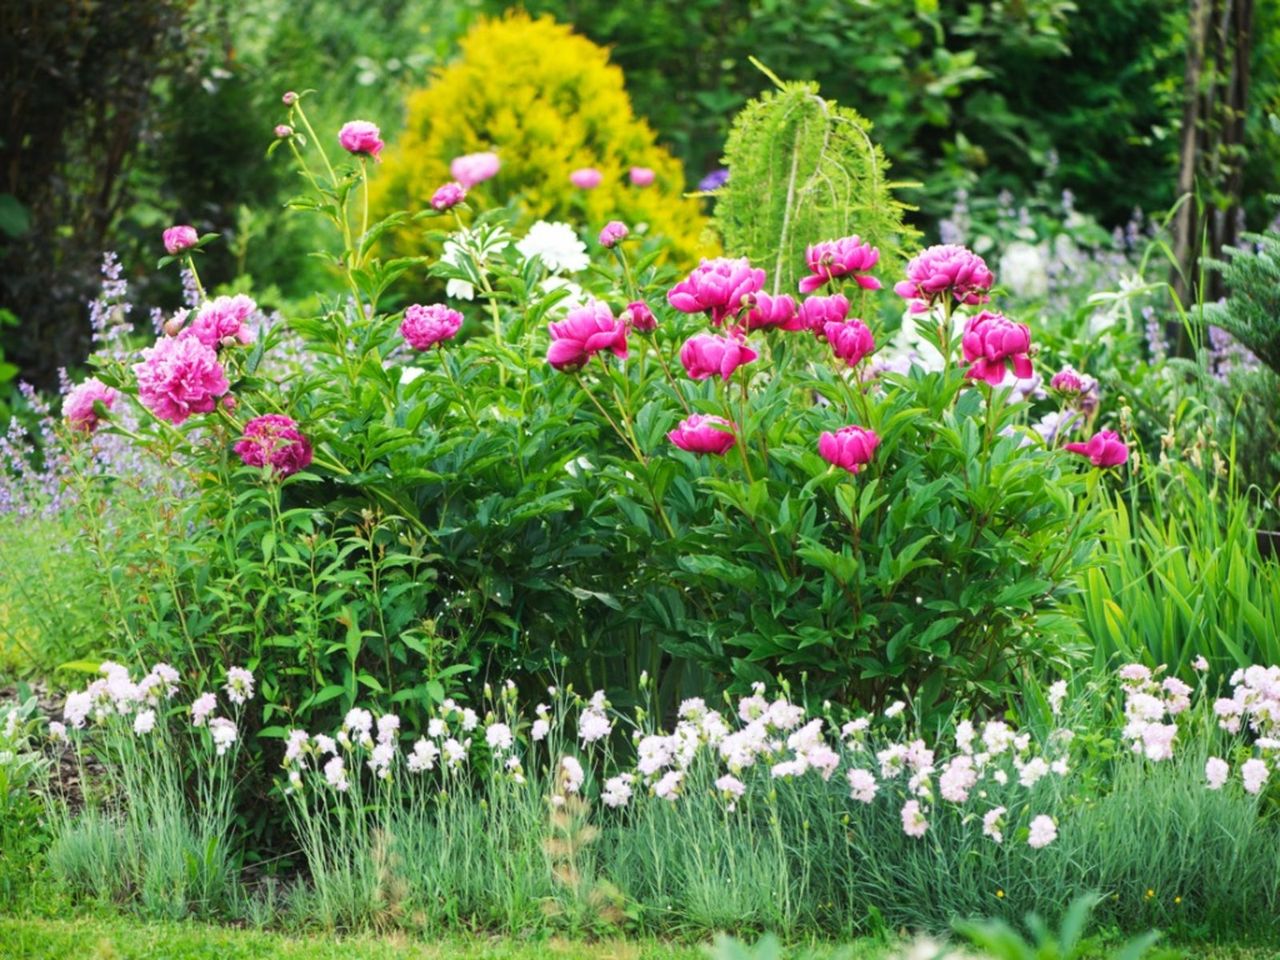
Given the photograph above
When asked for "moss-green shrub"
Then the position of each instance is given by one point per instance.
(548, 102)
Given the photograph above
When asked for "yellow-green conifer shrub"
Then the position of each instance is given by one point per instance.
(548, 102)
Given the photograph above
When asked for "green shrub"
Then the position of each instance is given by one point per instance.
(548, 102)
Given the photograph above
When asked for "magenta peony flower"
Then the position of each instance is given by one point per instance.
(701, 433)
(473, 168)
(641, 176)
(179, 376)
(720, 287)
(274, 440)
(586, 178)
(770, 311)
(223, 321)
(448, 195)
(78, 405)
(1067, 380)
(1104, 449)
(639, 317)
(179, 238)
(990, 341)
(840, 258)
(945, 269)
(584, 333)
(361, 137)
(850, 339)
(613, 233)
(849, 448)
(426, 327)
(283, 131)
(817, 312)
(711, 355)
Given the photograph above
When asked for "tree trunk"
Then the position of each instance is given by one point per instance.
(1186, 224)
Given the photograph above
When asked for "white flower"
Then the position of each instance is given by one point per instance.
(470, 720)
(574, 297)
(57, 731)
(593, 725)
(557, 245)
(204, 705)
(541, 727)
(144, 722)
(992, 823)
(731, 786)
(239, 685)
(1043, 832)
(668, 788)
(454, 751)
(914, 823)
(381, 758)
(1201, 664)
(572, 773)
(1254, 774)
(358, 721)
(295, 743)
(1057, 693)
(1032, 772)
(388, 727)
(894, 709)
(862, 785)
(957, 779)
(437, 728)
(498, 737)
(1216, 771)
(617, 791)
(1023, 270)
(224, 733)
(855, 728)
(77, 708)
(326, 744)
(423, 756)
(335, 772)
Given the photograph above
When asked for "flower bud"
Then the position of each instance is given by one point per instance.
(290, 98)
(283, 131)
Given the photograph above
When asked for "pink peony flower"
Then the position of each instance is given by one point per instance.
(851, 340)
(639, 317)
(613, 233)
(274, 440)
(641, 176)
(448, 196)
(817, 312)
(1067, 380)
(473, 168)
(992, 340)
(179, 376)
(945, 269)
(711, 355)
(584, 333)
(586, 178)
(849, 448)
(720, 287)
(840, 258)
(361, 137)
(426, 327)
(702, 433)
(78, 405)
(224, 320)
(179, 238)
(1104, 449)
(770, 311)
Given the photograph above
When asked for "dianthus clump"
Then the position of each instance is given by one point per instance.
(178, 377)
(274, 440)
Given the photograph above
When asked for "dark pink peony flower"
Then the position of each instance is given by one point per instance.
(472, 168)
(1104, 449)
(850, 339)
(429, 326)
(639, 317)
(942, 270)
(224, 320)
(274, 440)
(992, 340)
(613, 233)
(362, 138)
(641, 176)
(840, 258)
(711, 355)
(817, 312)
(720, 287)
(179, 238)
(702, 433)
(78, 405)
(448, 195)
(179, 376)
(586, 178)
(770, 311)
(849, 448)
(584, 333)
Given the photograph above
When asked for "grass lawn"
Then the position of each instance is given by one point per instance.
(93, 938)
